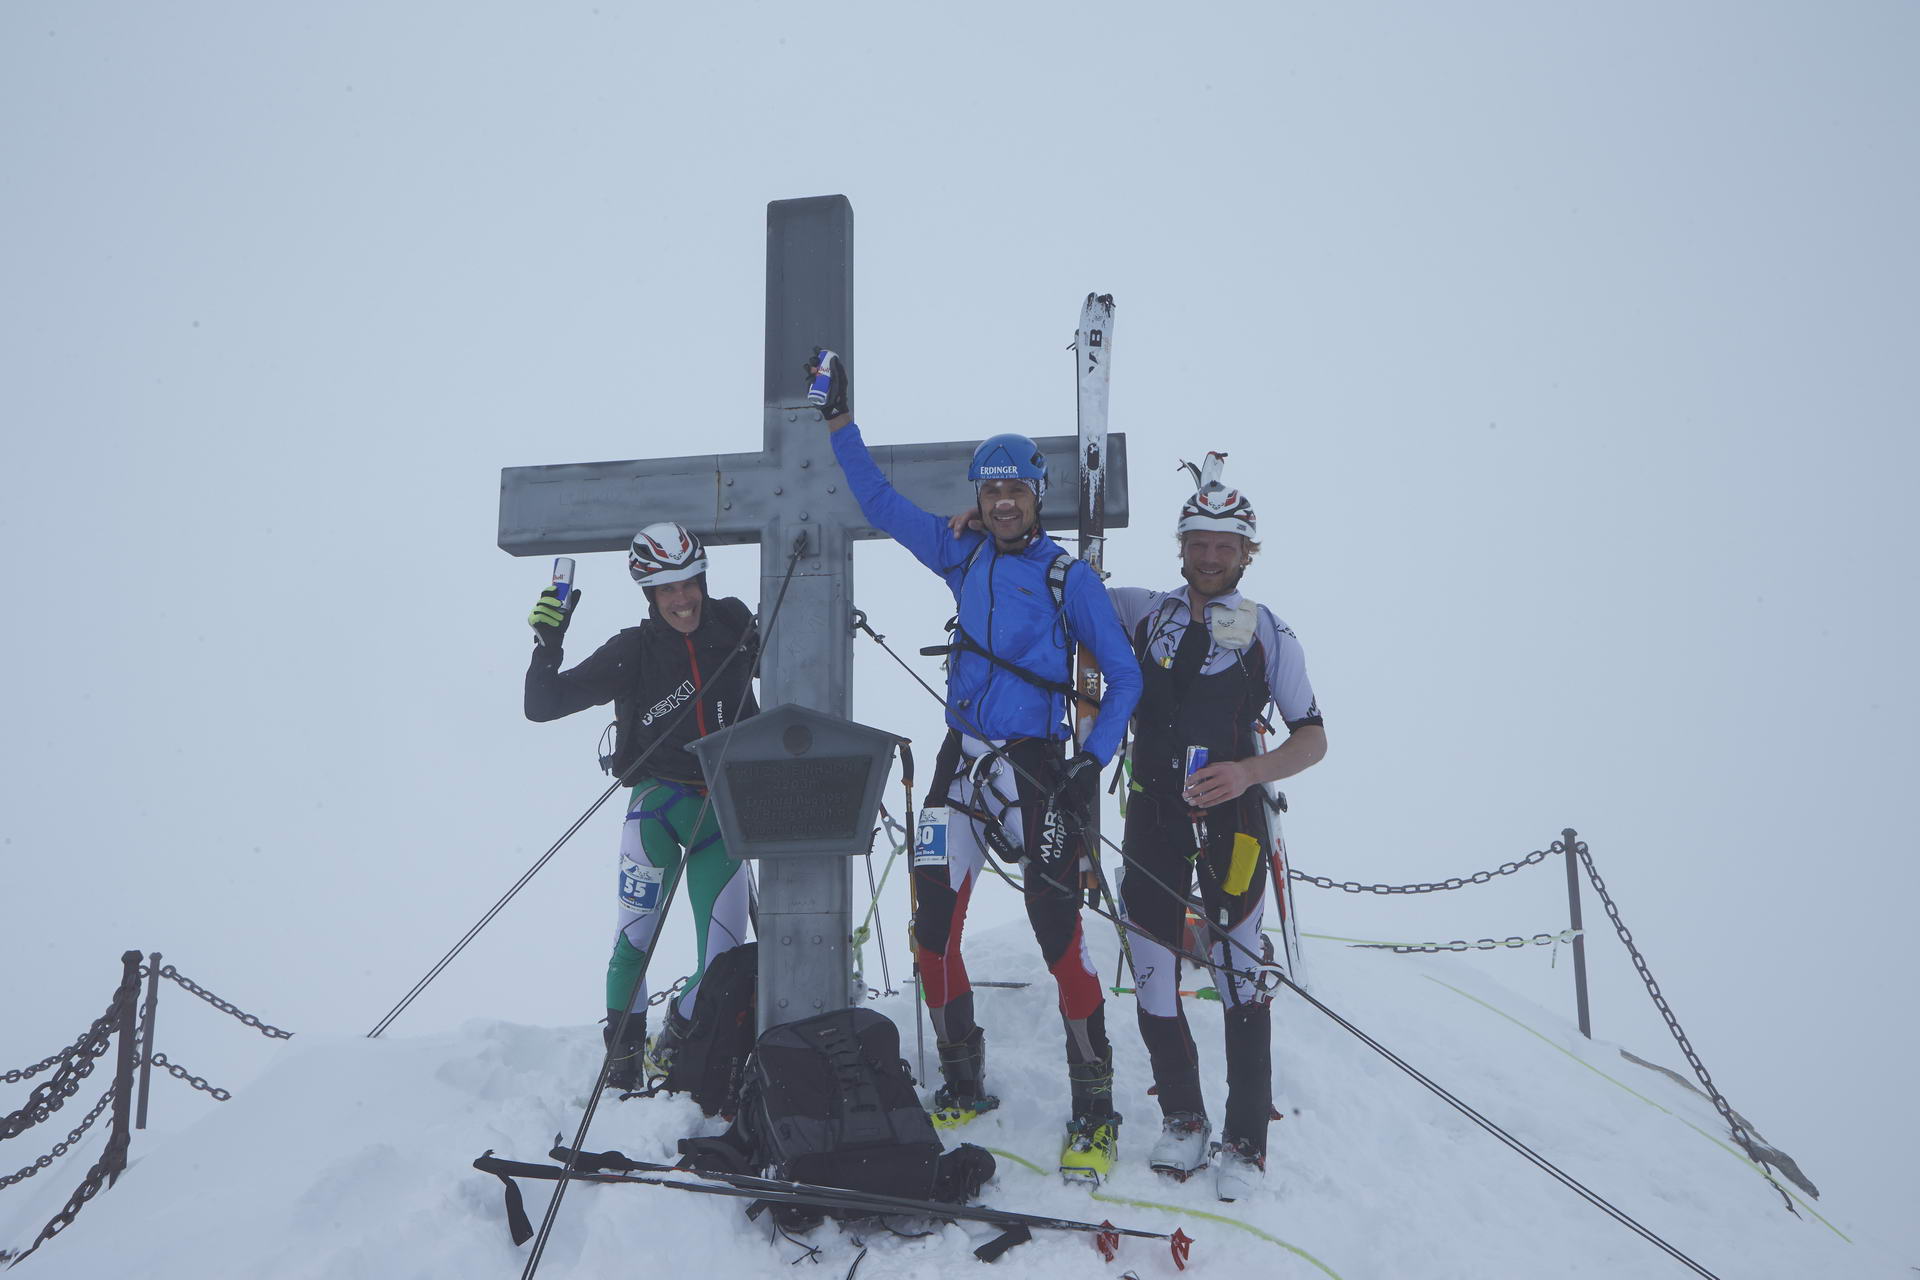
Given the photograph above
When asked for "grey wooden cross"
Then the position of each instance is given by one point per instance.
(790, 493)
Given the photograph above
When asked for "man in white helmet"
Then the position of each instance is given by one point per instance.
(1209, 686)
(683, 673)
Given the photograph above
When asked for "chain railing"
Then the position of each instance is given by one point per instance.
(132, 1027)
(1577, 858)
(121, 1021)
(225, 1006)
(61, 1148)
(1460, 944)
(28, 1073)
(1720, 1104)
(179, 1072)
(75, 1064)
(1437, 886)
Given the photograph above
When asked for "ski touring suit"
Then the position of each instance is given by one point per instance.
(1000, 725)
(650, 673)
(1204, 687)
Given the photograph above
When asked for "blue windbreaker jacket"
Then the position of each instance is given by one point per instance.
(1005, 604)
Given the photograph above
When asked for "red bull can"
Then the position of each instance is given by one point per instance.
(563, 577)
(1196, 760)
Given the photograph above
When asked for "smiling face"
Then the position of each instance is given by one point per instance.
(1009, 510)
(679, 603)
(1212, 563)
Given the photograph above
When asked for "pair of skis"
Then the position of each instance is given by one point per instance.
(613, 1166)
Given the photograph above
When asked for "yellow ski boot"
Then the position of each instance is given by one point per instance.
(963, 1065)
(1093, 1143)
(1093, 1135)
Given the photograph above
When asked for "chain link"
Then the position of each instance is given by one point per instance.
(1720, 1103)
(179, 1072)
(675, 988)
(76, 1064)
(1484, 944)
(224, 1006)
(60, 1148)
(28, 1073)
(1452, 882)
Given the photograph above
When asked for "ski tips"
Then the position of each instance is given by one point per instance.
(1206, 475)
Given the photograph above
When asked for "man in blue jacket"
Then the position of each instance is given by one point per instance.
(1003, 779)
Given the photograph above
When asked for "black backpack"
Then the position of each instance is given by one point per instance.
(710, 1063)
(829, 1100)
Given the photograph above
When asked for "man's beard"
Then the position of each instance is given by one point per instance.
(1230, 581)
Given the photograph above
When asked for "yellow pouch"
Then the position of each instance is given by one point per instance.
(1246, 856)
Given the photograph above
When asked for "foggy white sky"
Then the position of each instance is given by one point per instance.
(1568, 356)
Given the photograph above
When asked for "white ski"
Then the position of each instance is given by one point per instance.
(1092, 349)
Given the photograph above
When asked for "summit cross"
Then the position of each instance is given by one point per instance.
(789, 494)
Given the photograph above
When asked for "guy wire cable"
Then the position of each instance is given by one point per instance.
(593, 1100)
(567, 835)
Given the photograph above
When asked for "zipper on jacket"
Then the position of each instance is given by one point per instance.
(699, 702)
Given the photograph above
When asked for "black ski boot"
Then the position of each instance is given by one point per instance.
(624, 1073)
(1093, 1135)
(963, 1065)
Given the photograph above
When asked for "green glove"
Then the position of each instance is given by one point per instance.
(550, 617)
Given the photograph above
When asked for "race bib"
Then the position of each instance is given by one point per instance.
(930, 840)
(640, 886)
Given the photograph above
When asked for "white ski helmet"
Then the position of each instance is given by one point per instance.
(664, 552)
(1214, 508)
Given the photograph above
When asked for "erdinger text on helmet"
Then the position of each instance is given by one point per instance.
(1009, 457)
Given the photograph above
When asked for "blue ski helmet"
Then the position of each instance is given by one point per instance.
(1009, 456)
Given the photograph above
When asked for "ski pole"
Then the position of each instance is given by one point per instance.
(913, 908)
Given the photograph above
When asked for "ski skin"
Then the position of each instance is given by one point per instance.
(602, 1166)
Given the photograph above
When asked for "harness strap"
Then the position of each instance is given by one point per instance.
(965, 642)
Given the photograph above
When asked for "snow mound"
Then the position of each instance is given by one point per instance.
(351, 1158)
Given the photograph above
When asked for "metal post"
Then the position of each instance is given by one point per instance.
(1570, 843)
(115, 1158)
(146, 1041)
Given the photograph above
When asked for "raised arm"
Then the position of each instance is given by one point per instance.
(921, 532)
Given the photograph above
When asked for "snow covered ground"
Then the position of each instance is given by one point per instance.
(351, 1158)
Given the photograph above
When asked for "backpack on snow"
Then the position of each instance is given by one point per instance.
(829, 1100)
(711, 1062)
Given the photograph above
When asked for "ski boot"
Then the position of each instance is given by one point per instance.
(1240, 1170)
(963, 1065)
(1182, 1149)
(623, 1074)
(665, 1047)
(1093, 1135)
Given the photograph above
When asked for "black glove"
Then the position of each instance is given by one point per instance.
(550, 617)
(1079, 787)
(829, 384)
